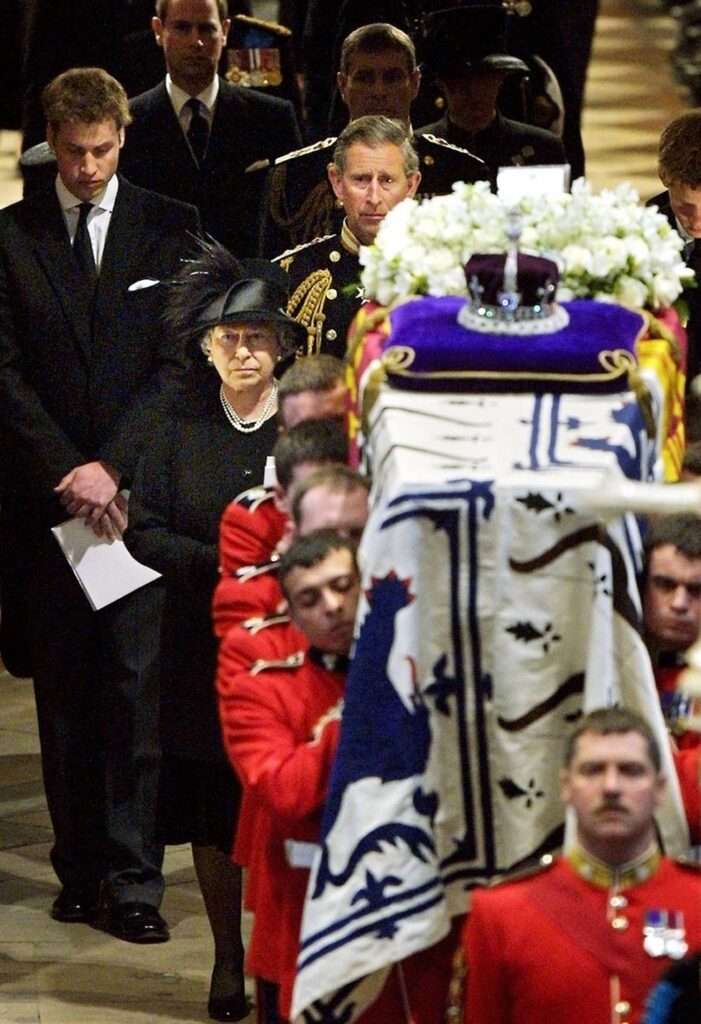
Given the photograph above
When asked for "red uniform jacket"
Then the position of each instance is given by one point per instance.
(554, 948)
(271, 639)
(427, 974)
(249, 532)
(667, 682)
(280, 728)
(688, 765)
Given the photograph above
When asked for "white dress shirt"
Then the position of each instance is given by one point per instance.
(178, 97)
(98, 218)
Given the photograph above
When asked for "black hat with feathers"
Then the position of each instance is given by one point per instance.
(216, 288)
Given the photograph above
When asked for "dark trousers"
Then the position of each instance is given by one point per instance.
(96, 687)
(267, 993)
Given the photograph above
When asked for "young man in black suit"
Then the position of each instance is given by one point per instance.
(84, 361)
(198, 138)
(679, 168)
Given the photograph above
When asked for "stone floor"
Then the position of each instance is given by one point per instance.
(72, 974)
(630, 94)
(60, 974)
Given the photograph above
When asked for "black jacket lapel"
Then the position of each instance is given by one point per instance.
(122, 252)
(55, 255)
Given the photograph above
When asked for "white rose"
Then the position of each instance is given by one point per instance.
(665, 289)
(577, 259)
(630, 292)
(638, 250)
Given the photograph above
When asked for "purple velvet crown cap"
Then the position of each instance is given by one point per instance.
(512, 293)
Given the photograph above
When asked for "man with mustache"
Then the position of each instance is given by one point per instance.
(588, 935)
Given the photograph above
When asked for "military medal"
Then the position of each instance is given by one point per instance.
(254, 67)
(522, 8)
(664, 934)
(676, 946)
(654, 931)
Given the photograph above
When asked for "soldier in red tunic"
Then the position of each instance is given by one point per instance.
(332, 497)
(672, 606)
(587, 936)
(280, 726)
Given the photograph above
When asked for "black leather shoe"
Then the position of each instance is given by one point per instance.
(236, 1008)
(227, 1007)
(74, 905)
(136, 922)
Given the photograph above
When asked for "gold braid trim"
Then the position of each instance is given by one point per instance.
(614, 363)
(658, 329)
(313, 217)
(306, 305)
(658, 350)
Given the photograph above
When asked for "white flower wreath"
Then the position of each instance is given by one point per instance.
(608, 246)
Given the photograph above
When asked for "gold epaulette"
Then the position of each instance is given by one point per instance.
(298, 248)
(544, 863)
(315, 147)
(253, 497)
(437, 141)
(256, 625)
(271, 26)
(306, 305)
(295, 660)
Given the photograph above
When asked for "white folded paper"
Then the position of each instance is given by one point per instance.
(513, 183)
(105, 569)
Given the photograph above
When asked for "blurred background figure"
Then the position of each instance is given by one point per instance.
(466, 50)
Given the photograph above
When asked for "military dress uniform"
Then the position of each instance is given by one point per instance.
(503, 143)
(325, 289)
(260, 55)
(249, 532)
(280, 728)
(272, 638)
(299, 204)
(251, 592)
(579, 941)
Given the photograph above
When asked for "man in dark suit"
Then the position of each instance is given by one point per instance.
(84, 362)
(679, 168)
(198, 138)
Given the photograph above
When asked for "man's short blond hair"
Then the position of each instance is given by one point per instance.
(679, 153)
(85, 96)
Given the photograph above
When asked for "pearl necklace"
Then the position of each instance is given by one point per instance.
(245, 426)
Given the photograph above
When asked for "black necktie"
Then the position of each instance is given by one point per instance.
(198, 132)
(82, 246)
